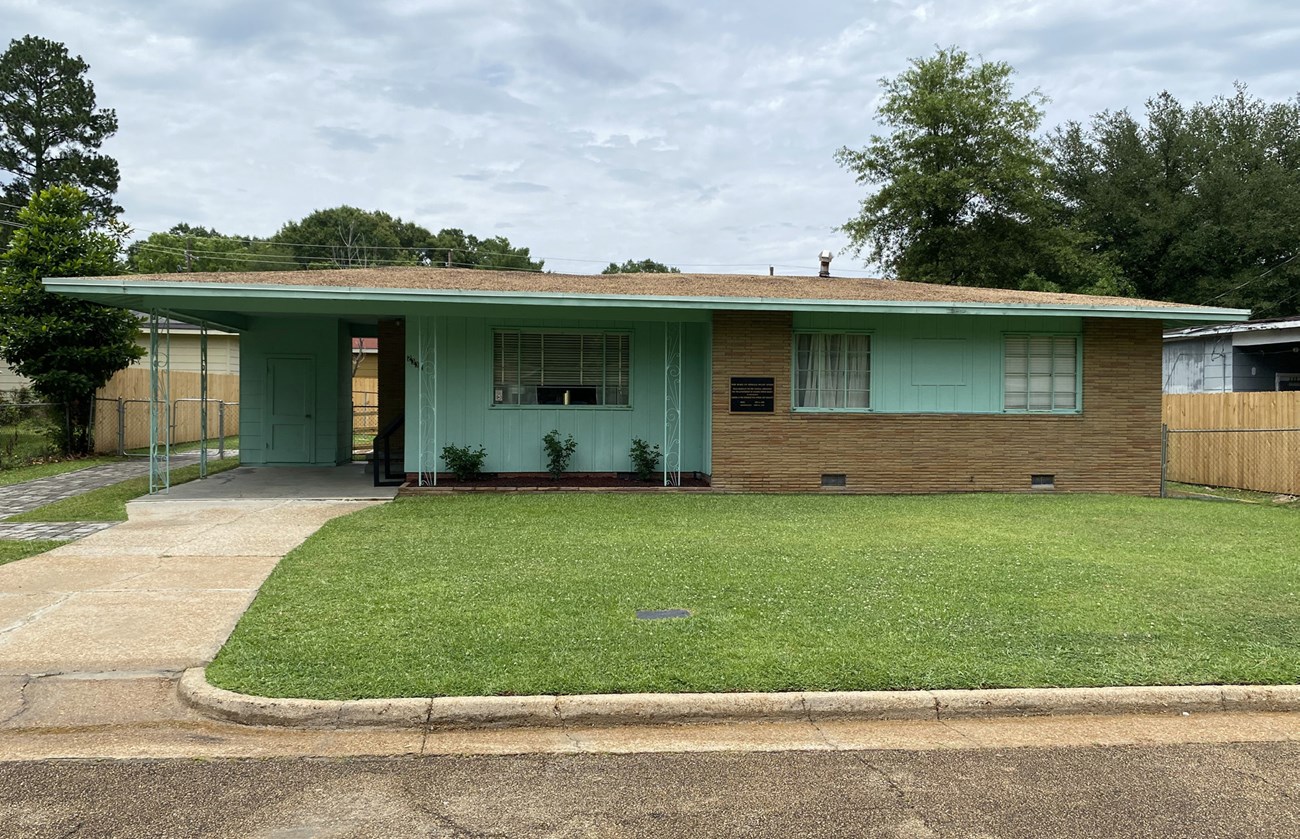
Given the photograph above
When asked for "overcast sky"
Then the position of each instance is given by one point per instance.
(697, 133)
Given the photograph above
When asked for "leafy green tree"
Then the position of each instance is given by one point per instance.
(50, 129)
(68, 348)
(963, 185)
(1196, 204)
(346, 237)
(188, 248)
(645, 266)
(469, 251)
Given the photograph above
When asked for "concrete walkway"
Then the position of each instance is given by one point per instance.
(96, 632)
(28, 495)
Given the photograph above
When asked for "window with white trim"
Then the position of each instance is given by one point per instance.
(832, 370)
(561, 368)
(1040, 373)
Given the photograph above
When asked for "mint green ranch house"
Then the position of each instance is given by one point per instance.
(746, 383)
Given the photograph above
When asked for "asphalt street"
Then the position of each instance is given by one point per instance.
(1228, 790)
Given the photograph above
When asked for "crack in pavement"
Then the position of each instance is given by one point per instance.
(428, 724)
(22, 701)
(28, 618)
(564, 728)
(853, 753)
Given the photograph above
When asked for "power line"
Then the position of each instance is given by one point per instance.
(413, 249)
(290, 262)
(1292, 258)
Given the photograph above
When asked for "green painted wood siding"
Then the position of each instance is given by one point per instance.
(512, 435)
(324, 342)
(936, 363)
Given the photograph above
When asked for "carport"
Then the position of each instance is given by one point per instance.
(346, 482)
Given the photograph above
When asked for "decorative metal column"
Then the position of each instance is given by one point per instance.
(426, 364)
(160, 400)
(672, 404)
(203, 400)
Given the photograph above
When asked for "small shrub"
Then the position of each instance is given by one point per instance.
(558, 453)
(463, 462)
(645, 459)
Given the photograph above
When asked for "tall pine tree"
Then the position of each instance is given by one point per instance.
(50, 129)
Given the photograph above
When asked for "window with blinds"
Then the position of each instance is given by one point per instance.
(1041, 373)
(561, 368)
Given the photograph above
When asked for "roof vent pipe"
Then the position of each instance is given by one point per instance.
(826, 264)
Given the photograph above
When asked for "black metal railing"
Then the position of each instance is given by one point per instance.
(383, 456)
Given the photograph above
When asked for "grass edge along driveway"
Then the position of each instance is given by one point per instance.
(109, 503)
(500, 595)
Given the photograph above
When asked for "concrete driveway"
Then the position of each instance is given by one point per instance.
(116, 616)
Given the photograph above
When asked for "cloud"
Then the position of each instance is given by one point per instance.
(691, 132)
(350, 139)
(522, 187)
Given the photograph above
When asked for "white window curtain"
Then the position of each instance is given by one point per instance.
(832, 370)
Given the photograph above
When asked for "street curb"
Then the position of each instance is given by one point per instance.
(481, 712)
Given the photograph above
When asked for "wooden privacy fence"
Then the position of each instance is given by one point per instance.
(122, 409)
(365, 406)
(1242, 440)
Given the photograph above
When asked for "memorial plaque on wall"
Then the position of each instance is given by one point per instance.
(753, 394)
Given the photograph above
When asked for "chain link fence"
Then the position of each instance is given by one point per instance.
(1258, 459)
(365, 425)
(30, 431)
(122, 426)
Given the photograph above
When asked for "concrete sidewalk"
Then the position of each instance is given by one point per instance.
(98, 631)
(28, 495)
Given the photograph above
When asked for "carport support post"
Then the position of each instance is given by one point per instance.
(160, 449)
(426, 429)
(203, 400)
(672, 452)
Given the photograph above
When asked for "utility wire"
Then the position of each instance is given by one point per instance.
(290, 261)
(1292, 258)
(287, 258)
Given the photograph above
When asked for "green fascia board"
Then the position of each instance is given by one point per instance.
(106, 291)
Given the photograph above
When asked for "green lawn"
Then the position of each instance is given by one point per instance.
(500, 594)
(10, 551)
(18, 474)
(109, 503)
(24, 443)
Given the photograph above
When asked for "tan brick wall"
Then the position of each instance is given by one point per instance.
(1112, 446)
(392, 375)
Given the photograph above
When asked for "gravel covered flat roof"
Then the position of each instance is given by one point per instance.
(643, 285)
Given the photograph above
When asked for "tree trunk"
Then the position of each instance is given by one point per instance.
(78, 436)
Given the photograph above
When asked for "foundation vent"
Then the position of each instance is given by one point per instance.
(835, 480)
(1042, 482)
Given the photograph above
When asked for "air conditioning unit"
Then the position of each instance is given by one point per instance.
(1288, 381)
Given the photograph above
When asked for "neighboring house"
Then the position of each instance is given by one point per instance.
(1256, 355)
(365, 358)
(223, 353)
(753, 383)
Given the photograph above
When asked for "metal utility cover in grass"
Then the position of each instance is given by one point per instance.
(661, 614)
